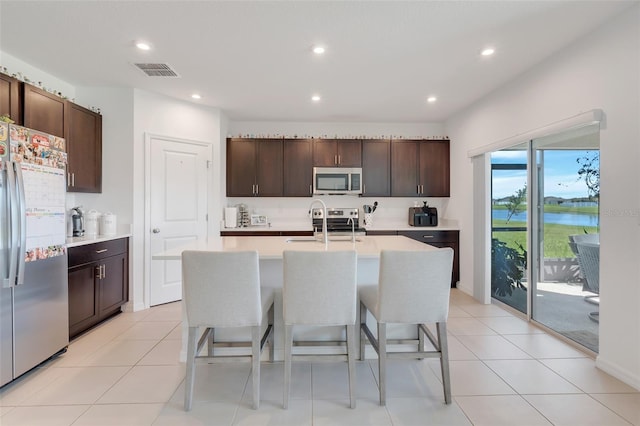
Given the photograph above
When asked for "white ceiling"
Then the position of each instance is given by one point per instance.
(253, 59)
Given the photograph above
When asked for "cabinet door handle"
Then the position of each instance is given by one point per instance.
(310, 190)
(73, 179)
(339, 160)
(257, 189)
(99, 271)
(104, 271)
(335, 159)
(427, 236)
(68, 179)
(422, 189)
(418, 189)
(364, 188)
(102, 251)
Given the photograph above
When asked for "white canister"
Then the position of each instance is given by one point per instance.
(91, 223)
(108, 225)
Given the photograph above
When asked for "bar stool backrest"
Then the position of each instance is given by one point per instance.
(221, 289)
(414, 286)
(319, 288)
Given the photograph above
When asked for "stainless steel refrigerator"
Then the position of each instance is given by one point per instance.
(34, 313)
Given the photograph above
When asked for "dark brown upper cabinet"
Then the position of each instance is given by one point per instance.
(11, 98)
(298, 165)
(254, 167)
(337, 153)
(43, 111)
(83, 134)
(420, 168)
(376, 168)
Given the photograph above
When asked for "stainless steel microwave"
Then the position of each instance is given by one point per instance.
(337, 180)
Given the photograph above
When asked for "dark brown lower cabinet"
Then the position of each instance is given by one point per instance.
(440, 239)
(266, 233)
(98, 282)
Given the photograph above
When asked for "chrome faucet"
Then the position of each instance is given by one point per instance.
(325, 235)
(353, 229)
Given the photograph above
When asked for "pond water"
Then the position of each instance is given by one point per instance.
(558, 218)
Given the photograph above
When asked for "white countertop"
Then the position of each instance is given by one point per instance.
(381, 225)
(272, 247)
(81, 241)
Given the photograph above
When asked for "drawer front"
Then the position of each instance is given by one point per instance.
(96, 251)
(432, 236)
(374, 233)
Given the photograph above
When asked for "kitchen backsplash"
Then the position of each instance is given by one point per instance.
(280, 211)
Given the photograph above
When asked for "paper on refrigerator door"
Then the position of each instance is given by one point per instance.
(43, 163)
(45, 209)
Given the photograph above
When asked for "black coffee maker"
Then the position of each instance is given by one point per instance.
(423, 216)
(77, 221)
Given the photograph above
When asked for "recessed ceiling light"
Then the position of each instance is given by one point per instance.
(196, 96)
(315, 98)
(488, 51)
(431, 99)
(143, 45)
(318, 50)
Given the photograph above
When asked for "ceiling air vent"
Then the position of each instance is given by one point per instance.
(157, 70)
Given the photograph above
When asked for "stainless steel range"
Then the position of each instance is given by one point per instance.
(340, 221)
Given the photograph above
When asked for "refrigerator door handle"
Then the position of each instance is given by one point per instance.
(9, 280)
(22, 205)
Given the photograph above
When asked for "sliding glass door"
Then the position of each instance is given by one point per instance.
(545, 240)
(565, 218)
(509, 234)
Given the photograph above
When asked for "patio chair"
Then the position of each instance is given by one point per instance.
(589, 260)
(583, 238)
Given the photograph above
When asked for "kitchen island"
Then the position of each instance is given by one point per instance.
(270, 251)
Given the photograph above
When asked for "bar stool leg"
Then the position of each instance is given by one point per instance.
(382, 362)
(441, 329)
(191, 368)
(210, 340)
(288, 342)
(363, 337)
(351, 360)
(270, 318)
(255, 365)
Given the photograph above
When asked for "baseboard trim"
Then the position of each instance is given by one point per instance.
(625, 376)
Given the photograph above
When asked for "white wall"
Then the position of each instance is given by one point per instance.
(599, 71)
(160, 115)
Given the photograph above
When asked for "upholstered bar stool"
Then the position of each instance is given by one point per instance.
(413, 288)
(319, 289)
(222, 289)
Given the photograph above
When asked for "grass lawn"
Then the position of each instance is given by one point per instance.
(556, 237)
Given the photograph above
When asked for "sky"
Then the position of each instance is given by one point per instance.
(560, 173)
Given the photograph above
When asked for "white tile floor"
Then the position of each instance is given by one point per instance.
(503, 371)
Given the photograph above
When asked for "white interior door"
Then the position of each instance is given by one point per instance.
(177, 211)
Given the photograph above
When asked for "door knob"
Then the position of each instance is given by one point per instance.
(156, 230)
